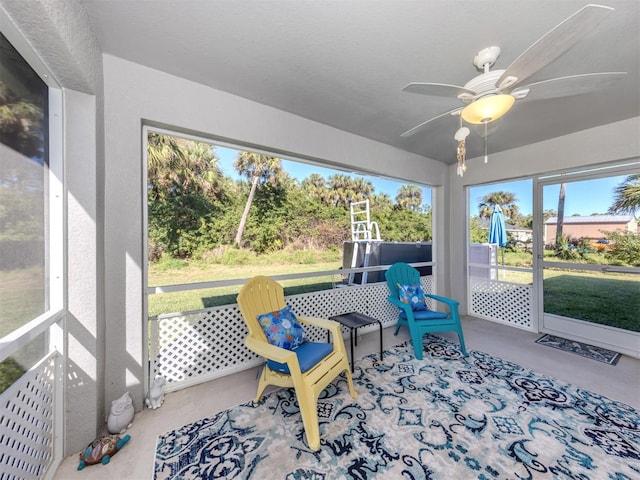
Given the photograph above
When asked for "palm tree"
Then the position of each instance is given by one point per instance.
(362, 189)
(163, 156)
(409, 197)
(506, 201)
(316, 188)
(627, 196)
(382, 201)
(341, 189)
(176, 165)
(256, 167)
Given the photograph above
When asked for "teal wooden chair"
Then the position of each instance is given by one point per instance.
(401, 278)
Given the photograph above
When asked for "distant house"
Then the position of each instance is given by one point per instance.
(518, 234)
(590, 228)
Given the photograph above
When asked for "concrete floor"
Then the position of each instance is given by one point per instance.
(135, 460)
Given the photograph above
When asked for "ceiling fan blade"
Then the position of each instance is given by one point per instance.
(553, 44)
(437, 89)
(417, 128)
(568, 86)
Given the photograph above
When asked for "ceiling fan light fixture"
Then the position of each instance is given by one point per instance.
(487, 109)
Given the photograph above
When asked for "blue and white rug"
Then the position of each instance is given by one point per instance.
(444, 417)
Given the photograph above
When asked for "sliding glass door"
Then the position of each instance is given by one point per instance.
(588, 257)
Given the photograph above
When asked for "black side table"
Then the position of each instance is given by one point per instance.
(353, 320)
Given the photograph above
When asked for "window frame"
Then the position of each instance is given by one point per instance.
(55, 226)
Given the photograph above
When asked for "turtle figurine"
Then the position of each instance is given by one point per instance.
(102, 449)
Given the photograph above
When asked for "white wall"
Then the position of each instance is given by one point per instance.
(135, 94)
(613, 142)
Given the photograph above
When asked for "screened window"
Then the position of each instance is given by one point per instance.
(216, 212)
(23, 191)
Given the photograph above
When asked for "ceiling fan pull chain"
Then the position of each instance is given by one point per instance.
(486, 156)
(461, 151)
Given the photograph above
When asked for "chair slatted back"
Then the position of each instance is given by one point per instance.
(403, 274)
(259, 295)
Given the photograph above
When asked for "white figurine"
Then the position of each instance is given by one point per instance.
(121, 414)
(156, 395)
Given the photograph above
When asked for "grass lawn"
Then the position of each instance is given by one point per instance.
(21, 294)
(610, 299)
(199, 272)
(21, 300)
(607, 299)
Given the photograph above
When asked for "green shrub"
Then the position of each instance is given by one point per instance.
(568, 249)
(234, 256)
(625, 248)
(167, 262)
(304, 257)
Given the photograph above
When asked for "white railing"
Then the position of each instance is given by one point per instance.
(194, 347)
(28, 422)
(499, 300)
(31, 409)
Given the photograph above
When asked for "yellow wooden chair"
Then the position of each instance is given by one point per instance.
(308, 368)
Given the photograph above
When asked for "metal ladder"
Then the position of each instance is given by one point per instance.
(362, 232)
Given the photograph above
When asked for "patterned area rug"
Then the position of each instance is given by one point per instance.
(444, 417)
(583, 349)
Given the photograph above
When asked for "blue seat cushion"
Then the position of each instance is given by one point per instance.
(424, 315)
(309, 354)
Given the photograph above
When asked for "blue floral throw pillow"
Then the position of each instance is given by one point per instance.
(282, 328)
(412, 295)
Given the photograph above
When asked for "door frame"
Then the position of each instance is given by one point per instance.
(604, 336)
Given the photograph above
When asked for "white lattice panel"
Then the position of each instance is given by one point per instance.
(427, 286)
(508, 302)
(199, 343)
(314, 304)
(26, 420)
(198, 346)
(353, 298)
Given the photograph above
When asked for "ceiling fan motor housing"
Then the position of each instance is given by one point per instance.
(484, 84)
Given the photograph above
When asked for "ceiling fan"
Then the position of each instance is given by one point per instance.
(491, 94)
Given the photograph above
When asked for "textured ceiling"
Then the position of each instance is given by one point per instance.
(344, 63)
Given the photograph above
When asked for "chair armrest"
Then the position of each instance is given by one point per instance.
(266, 350)
(332, 326)
(324, 323)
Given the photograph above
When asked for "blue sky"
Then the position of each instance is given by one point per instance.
(582, 198)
